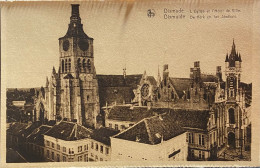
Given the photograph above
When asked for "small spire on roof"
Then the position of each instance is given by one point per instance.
(47, 81)
(124, 71)
(159, 77)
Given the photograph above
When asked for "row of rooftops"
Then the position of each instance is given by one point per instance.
(162, 123)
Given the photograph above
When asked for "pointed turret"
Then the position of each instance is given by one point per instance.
(226, 58)
(47, 82)
(233, 55)
(53, 70)
(239, 58)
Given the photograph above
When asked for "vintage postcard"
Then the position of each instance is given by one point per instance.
(130, 83)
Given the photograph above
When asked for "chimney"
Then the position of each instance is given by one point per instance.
(219, 73)
(165, 71)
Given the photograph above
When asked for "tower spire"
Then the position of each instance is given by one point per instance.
(75, 27)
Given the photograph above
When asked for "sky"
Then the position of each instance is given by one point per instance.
(125, 36)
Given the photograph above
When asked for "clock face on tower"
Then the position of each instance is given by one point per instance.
(145, 91)
(83, 44)
(66, 45)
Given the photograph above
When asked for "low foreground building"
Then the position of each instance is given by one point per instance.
(67, 142)
(158, 138)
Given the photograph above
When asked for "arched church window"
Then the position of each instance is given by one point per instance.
(89, 65)
(79, 65)
(231, 115)
(84, 64)
(69, 64)
(62, 65)
(66, 65)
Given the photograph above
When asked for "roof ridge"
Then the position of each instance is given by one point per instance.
(73, 130)
(148, 131)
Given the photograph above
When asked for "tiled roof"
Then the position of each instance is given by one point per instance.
(116, 88)
(16, 128)
(180, 85)
(103, 135)
(165, 126)
(37, 135)
(119, 80)
(191, 118)
(133, 113)
(68, 131)
(28, 130)
(209, 78)
(152, 130)
(152, 80)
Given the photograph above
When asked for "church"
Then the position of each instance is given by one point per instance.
(75, 92)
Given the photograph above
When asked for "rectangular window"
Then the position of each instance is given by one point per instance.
(203, 155)
(52, 155)
(107, 150)
(64, 149)
(110, 125)
(52, 145)
(199, 154)
(122, 127)
(116, 127)
(201, 139)
(48, 143)
(192, 153)
(58, 147)
(85, 147)
(101, 149)
(80, 149)
(191, 138)
(92, 145)
(48, 154)
(86, 157)
(80, 158)
(64, 158)
(96, 147)
(58, 158)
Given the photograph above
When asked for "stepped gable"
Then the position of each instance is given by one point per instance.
(69, 131)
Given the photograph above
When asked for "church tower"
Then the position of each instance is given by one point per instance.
(79, 100)
(233, 96)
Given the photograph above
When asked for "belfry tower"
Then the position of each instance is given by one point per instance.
(79, 99)
(234, 98)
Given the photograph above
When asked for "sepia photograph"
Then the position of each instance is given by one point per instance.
(121, 82)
